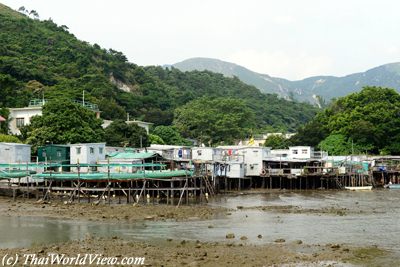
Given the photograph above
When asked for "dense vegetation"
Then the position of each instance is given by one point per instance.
(213, 121)
(41, 58)
(121, 134)
(363, 122)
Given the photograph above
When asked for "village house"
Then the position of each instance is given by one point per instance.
(22, 116)
(15, 153)
(249, 158)
(87, 153)
(130, 162)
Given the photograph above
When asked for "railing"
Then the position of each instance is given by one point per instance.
(87, 105)
(37, 102)
(41, 102)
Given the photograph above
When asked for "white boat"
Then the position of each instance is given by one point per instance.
(358, 188)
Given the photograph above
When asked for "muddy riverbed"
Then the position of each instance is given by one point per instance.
(329, 228)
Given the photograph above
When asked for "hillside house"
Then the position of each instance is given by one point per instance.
(22, 116)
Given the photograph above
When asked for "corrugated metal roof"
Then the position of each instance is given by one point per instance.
(131, 155)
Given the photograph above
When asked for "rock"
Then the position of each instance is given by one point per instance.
(239, 207)
(149, 218)
(259, 236)
(243, 237)
(169, 239)
(299, 242)
(210, 226)
(335, 246)
(198, 245)
(228, 213)
(183, 242)
(230, 235)
(280, 240)
(40, 251)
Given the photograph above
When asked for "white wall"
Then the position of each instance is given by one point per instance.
(202, 153)
(231, 170)
(14, 153)
(25, 113)
(301, 152)
(86, 155)
(251, 156)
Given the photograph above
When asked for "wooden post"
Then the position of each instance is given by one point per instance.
(79, 183)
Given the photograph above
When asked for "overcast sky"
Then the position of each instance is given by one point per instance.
(287, 38)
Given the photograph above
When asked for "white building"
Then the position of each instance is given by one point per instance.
(177, 153)
(88, 153)
(22, 116)
(301, 152)
(251, 157)
(203, 154)
(143, 124)
(15, 153)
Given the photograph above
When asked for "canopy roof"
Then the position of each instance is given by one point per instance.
(132, 155)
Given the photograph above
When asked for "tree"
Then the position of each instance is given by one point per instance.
(4, 112)
(276, 142)
(155, 139)
(215, 120)
(170, 135)
(336, 144)
(64, 122)
(369, 118)
(9, 138)
(119, 133)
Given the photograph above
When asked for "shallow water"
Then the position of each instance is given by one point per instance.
(370, 218)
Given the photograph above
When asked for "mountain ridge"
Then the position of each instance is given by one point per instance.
(325, 86)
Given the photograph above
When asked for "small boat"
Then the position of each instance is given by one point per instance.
(358, 188)
(393, 186)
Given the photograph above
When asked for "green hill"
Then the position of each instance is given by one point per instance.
(41, 58)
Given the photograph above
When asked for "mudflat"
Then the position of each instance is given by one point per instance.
(235, 251)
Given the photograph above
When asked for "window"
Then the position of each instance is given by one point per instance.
(295, 151)
(20, 122)
(304, 151)
(100, 150)
(78, 150)
(58, 154)
(199, 152)
(91, 150)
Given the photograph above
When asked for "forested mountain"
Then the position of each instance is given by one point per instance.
(308, 89)
(38, 57)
